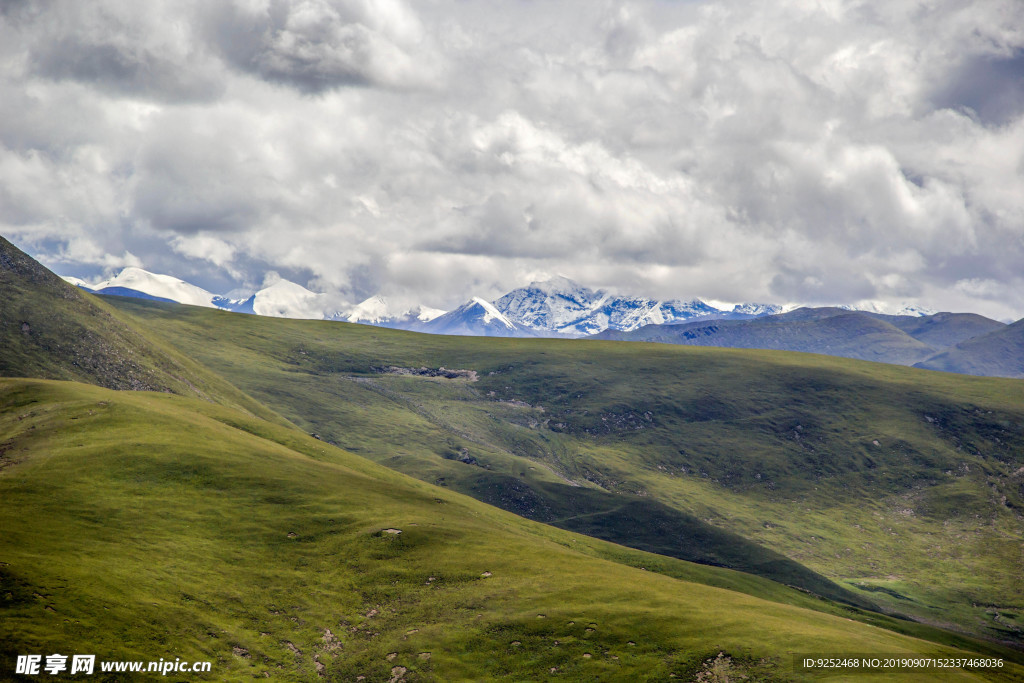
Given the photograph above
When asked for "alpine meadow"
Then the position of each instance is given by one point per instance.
(435, 341)
(322, 501)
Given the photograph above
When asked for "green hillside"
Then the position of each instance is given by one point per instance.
(140, 526)
(902, 486)
(144, 525)
(497, 475)
(50, 329)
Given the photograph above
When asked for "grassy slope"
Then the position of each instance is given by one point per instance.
(382, 412)
(834, 332)
(903, 485)
(50, 329)
(261, 549)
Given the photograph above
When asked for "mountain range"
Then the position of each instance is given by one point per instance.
(559, 307)
(955, 342)
(556, 307)
(900, 485)
(282, 299)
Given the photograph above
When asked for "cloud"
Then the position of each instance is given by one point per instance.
(118, 47)
(175, 52)
(198, 171)
(206, 247)
(821, 152)
(989, 87)
(318, 45)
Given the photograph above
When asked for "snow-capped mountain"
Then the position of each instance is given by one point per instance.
(632, 312)
(560, 306)
(77, 282)
(884, 308)
(478, 318)
(555, 305)
(283, 299)
(377, 310)
(552, 308)
(286, 299)
(133, 281)
(756, 310)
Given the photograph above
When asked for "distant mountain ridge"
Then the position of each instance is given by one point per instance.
(921, 341)
(283, 299)
(998, 353)
(559, 307)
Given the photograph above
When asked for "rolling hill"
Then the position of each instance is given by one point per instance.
(902, 340)
(943, 330)
(999, 353)
(900, 486)
(143, 525)
(53, 330)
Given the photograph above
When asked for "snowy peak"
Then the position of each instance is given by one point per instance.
(477, 317)
(426, 313)
(286, 299)
(76, 281)
(377, 310)
(627, 313)
(563, 307)
(550, 306)
(372, 311)
(756, 310)
(492, 314)
(157, 286)
(884, 308)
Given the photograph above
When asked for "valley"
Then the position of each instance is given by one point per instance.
(312, 500)
(901, 487)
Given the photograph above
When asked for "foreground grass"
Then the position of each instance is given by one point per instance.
(902, 485)
(140, 526)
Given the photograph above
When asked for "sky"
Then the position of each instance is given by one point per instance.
(819, 152)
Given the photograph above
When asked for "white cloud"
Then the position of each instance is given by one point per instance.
(204, 246)
(742, 151)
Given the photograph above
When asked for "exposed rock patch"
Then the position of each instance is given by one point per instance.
(441, 372)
